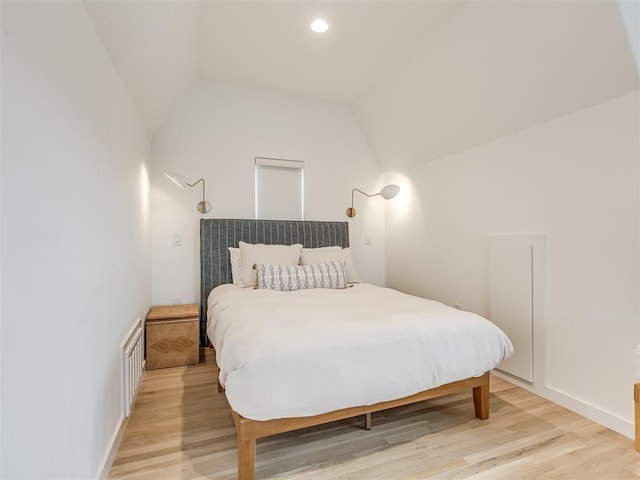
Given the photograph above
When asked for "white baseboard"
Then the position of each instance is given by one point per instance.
(114, 444)
(610, 420)
(116, 438)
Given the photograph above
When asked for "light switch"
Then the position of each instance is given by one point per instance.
(177, 239)
(368, 239)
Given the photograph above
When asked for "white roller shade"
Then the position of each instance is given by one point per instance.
(279, 189)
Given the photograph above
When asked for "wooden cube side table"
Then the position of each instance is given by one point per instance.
(172, 336)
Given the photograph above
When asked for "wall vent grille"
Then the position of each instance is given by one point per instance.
(133, 356)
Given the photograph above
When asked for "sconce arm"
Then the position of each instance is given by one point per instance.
(363, 193)
(197, 182)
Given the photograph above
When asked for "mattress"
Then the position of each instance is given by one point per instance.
(308, 352)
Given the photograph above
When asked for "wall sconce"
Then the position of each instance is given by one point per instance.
(203, 206)
(387, 193)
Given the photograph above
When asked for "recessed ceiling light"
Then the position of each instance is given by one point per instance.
(319, 25)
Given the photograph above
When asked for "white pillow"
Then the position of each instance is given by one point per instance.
(236, 266)
(337, 247)
(252, 254)
(311, 256)
(287, 278)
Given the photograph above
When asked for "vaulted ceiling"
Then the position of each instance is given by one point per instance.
(161, 47)
(425, 77)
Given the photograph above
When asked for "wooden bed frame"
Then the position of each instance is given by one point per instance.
(250, 430)
(216, 235)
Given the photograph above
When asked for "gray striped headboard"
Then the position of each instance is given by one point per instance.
(217, 235)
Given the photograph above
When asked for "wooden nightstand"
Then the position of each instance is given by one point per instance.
(172, 334)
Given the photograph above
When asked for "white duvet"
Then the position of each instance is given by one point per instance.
(307, 352)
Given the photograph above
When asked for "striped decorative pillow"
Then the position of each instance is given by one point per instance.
(288, 277)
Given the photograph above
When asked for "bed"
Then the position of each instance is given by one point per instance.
(294, 359)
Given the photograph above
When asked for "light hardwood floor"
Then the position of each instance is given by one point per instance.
(181, 428)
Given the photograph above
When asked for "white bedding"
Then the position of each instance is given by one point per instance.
(307, 352)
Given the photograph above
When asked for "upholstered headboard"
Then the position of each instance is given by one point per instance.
(217, 235)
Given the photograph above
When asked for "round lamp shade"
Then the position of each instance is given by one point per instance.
(390, 191)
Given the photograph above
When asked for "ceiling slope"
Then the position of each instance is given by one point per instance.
(428, 78)
(154, 46)
(162, 47)
(495, 68)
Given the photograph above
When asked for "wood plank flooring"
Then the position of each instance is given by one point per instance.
(181, 429)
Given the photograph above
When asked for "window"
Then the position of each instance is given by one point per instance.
(279, 189)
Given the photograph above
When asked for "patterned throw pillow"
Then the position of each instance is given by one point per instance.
(287, 277)
(312, 256)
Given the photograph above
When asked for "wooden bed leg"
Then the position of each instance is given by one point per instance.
(636, 397)
(367, 421)
(481, 400)
(246, 458)
(220, 387)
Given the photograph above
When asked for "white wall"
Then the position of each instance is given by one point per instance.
(575, 179)
(75, 256)
(1, 289)
(447, 118)
(216, 133)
